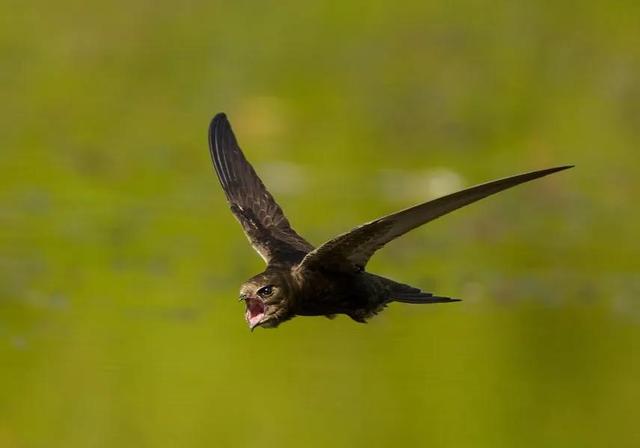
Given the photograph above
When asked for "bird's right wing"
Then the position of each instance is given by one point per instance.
(351, 251)
(262, 219)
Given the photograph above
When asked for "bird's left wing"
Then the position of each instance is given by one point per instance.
(351, 251)
(262, 219)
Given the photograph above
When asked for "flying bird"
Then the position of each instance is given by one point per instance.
(303, 280)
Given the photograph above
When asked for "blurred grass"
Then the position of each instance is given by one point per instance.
(119, 261)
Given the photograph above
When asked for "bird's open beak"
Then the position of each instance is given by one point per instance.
(254, 312)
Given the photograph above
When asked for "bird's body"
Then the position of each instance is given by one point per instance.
(301, 280)
(359, 295)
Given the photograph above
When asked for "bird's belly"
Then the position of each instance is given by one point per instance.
(326, 305)
(336, 302)
(340, 294)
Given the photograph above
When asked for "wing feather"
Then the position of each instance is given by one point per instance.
(352, 250)
(262, 219)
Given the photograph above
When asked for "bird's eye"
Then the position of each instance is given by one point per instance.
(265, 291)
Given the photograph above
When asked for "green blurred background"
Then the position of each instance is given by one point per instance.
(120, 262)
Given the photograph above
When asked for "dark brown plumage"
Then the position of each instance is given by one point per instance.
(301, 280)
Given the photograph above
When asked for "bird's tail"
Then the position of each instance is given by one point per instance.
(400, 292)
(420, 298)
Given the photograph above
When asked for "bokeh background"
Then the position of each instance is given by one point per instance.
(120, 263)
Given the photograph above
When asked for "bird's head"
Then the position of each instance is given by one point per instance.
(267, 300)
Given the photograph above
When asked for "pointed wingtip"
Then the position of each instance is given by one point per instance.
(219, 128)
(217, 120)
(564, 167)
(526, 177)
(555, 169)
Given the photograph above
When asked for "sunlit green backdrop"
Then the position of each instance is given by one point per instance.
(120, 263)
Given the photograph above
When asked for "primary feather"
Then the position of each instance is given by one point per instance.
(352, 250)
(262, 219)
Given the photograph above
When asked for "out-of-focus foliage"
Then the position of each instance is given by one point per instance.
(119, 261)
